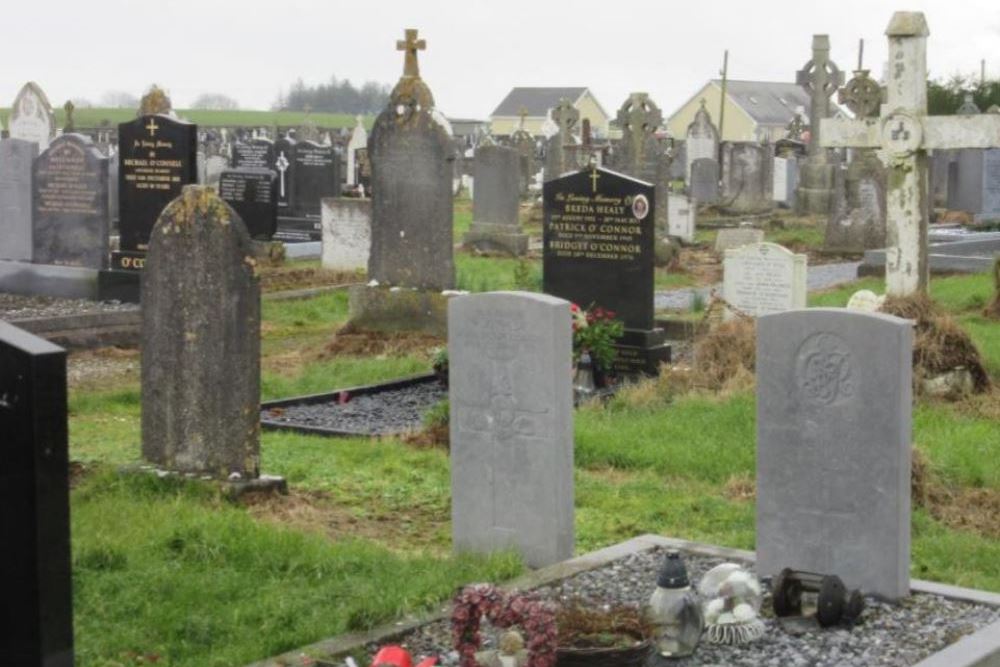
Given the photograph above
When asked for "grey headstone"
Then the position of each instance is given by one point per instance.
(701, 141)
(497, 195)
(201, 340)
(113, 191)
(511, 425)
(703, 187)
(16, 158)
(214, 166)
(347, 233)
(71, 216)
(747, 177)
(857, 220)
(412, 210)
(834, 401)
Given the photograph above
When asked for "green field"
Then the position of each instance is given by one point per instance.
(98, 117)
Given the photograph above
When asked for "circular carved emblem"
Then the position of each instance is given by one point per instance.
(902, 133)
(824, 370)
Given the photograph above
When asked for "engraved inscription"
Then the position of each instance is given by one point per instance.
(824, 370)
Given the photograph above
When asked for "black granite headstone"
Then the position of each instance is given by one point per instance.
(284, 164)
(256, 153)
(253, 195)
(315, 175)
(36, 621)
(70, 204)
(157, 157)
(598, 251)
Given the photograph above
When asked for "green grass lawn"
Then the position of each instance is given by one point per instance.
(177, 572)
(98, 117)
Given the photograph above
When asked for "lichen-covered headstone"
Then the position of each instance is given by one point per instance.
(201, 340)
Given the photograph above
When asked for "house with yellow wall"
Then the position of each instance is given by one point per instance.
(755, 110)
(536, 103)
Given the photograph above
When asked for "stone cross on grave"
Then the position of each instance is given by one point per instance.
(821, 78)
(566, 116)
(523, 113)
(281, 164)
(862, 94)
(639, 116)
(904, 133)
(411, 45)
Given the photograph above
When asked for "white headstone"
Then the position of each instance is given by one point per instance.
(347, 233)
(359, 139)
(680, 217)
(727, 239)
(31, 117)
(763, 278)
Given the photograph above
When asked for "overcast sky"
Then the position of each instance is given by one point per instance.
(477, 49)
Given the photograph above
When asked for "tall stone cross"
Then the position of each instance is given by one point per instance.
(411, 45)
(523, 113)
(566, 116)
(821, 78)
(904, 133)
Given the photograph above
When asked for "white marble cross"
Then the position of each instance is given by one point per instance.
(904, 133)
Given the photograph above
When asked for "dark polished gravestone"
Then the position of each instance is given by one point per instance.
(316, 174)
(253, 194)
(70, 204)
(201, 341)
(598, 250)
(157, 156)
(256, 153)
(35, 573)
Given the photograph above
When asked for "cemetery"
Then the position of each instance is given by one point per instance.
(561, 388)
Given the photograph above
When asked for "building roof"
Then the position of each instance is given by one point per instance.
(537, 101)
(768, 102)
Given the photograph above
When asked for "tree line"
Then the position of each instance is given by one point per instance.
(334, 97)
(944, 97)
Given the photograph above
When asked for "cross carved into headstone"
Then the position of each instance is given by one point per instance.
(593, 177)
(903, 134)
(821, 78)
(281, 164)
(152, 127)
(411, 45)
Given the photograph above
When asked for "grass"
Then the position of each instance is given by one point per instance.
(173, 571)
(98, 117)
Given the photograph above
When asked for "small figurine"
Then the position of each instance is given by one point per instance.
(397, 656)
(511, 652)
(732, 604)
(673, 610)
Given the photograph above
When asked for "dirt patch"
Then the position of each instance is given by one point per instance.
(701, 264)
(352, 341)
(725, 358)
(317, 512)
(741, 488)
(283, 279)
(90, 367)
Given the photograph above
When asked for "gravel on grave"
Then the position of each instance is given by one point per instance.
(383, 413)
(17, 307)
(893, 635)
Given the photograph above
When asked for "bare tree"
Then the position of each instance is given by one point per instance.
(118, 99)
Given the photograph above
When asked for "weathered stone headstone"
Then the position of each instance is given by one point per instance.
(834, 398)
(598, 247)
(763, 278)
(35, 570)
(559, 159)
(978, 183)
(253, 194)
(255, 153)
(738, 237)
(411, 160)
(201, 341)
(857, 221)
(701, 141)
(681, 217)
(157, 157)
(70, 204)
(747, 177)
(703, 185)
(316, 174)
(16, 159)
(511, 425)
(347, 233)
(820, 77)
(31, 117)
(359, 141)
(497, 202)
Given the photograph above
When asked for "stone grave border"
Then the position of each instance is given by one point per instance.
(979, 649)
(331, 397)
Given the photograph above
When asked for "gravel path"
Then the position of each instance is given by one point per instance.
(818, 277)
(887, 636)
(16, 307)
(386, 412)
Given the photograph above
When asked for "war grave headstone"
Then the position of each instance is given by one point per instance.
(598, 245)
(16, 159)
(681, 217)
(703, 186)
(496, 205)
(359, 140)
(347, 233)
(737, 237)
(763, 278)
(411, 155)
(35, 574)
(201, 341)
(834, 432)
(156, 158)
(558, 160)
(253, 194)
(820, 77)
(31, 117)
(511, 425)
(904, 134)
(700, 142)
(70, 204)
(857, 220)
(747, 177)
